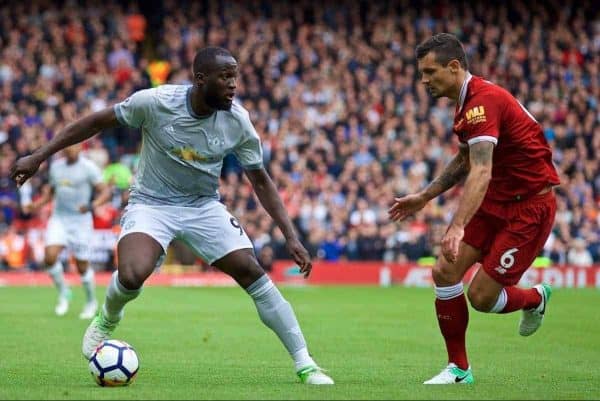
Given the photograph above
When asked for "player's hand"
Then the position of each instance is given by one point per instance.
(451, 242)
(84, 209)
(406, 206)
(300, 256)
(24, 168)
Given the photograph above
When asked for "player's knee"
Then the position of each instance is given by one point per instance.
(49, 261)
(250, 271)
(443, 276)
(131, 276)
(480, 301)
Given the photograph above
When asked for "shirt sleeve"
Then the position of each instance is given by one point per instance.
(134, 110)
(482, 119)
(249, 152)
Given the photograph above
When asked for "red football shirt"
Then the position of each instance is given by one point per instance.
(522, 161)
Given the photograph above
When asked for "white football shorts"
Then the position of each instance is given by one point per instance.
(73, 232)
(209, 230)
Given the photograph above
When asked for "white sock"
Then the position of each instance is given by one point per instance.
(500, 302)
(89, 284)
(116, 298)
(56, 272)
(449, 292)
(277, 314)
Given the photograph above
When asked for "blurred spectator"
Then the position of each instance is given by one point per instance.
(579, 255)
(265, 257)
(14, 249)
(333, 93)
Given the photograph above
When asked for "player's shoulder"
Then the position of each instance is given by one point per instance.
(87, 162)
(162, 93)
(480, 87)
(237, 114)
(171, 97)
(238, 111)
(58, 163)
(169, 90)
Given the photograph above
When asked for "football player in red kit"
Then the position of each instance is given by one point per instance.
(507, 206)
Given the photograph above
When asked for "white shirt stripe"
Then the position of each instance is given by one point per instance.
(483, 138)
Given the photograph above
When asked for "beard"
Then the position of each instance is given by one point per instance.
(217, 103)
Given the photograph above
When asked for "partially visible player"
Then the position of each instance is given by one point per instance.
(72, 182)
(507, 206)
(187, 131)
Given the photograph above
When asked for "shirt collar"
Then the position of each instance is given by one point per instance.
(463, 90)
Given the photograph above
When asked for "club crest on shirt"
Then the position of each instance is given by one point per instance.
(475, 115)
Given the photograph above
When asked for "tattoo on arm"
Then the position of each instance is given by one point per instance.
(480, 154)
(454, 172)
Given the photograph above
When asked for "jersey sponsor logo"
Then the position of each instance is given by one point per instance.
(475, 115)
(65, 182)
(187, 153)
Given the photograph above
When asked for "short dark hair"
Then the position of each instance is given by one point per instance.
(446, 47)
(205, 58)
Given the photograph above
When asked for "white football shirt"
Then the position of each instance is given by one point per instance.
(182, 153)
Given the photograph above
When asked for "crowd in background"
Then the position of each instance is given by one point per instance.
(333, 91)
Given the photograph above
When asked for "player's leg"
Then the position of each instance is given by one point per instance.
(453, 314)
(274, 310)
(56, 241)
(138, 256)
(146, 233)
(79, 232)
(216, 236)
(488, 295)
(493, 288)
(88, 282)
(56, 271)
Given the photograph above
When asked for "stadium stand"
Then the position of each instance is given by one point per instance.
(332, 90)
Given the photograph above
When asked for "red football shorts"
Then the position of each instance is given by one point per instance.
(512, 236)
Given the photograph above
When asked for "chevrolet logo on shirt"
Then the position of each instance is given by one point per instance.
(189, 154)
(475, 115)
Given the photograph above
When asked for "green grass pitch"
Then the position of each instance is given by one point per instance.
(377, 343)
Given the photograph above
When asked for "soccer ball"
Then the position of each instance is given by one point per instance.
(114, 363)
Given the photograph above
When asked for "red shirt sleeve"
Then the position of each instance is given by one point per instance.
(482, 115)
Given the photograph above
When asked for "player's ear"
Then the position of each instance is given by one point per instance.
(454, 65)
(200, 78)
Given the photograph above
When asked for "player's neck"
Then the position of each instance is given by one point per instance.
(461, 76)
(199, 107)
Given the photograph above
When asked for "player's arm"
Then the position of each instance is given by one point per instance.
(75, 132)
(103, 194)
(475, 187)
(476, 184)
(453, 173)
(269, 198)
(46, 194)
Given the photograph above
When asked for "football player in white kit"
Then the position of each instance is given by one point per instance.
(187, 130)
(72, 182)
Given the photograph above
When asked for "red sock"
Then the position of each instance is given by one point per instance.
(521, 298)
(453, 318)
